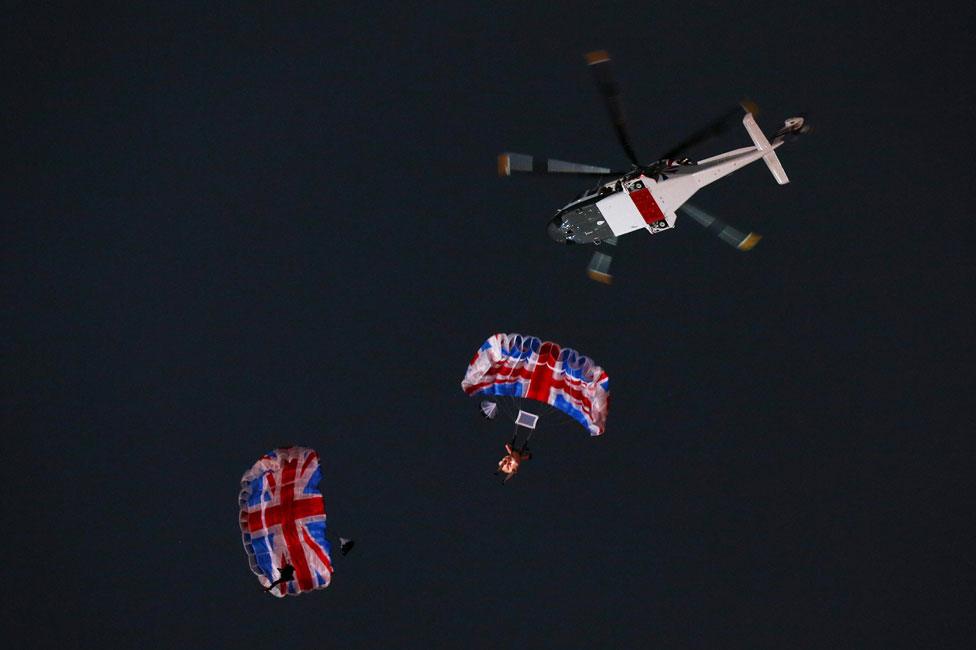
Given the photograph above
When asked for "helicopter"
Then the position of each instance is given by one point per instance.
(648, 196)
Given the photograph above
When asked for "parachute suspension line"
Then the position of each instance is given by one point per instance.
(538, 415)
(516, 405)
(503, 402)
(517, 400)
(510, 405)
(550, 424)
(546, 417)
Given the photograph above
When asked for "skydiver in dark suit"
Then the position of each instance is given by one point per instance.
(286, 573)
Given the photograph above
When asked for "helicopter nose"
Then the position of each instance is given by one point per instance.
(556, 233)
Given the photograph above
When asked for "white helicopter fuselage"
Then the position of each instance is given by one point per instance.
(639, 202)
(646, 202)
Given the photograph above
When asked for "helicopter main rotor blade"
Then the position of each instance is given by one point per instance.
(722, 230)
(711, 130)
(599, 63)
(599, 267)
(520, 162)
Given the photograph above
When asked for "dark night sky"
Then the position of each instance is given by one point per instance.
(227, 230)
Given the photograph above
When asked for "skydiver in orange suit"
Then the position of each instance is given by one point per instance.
(509, 464)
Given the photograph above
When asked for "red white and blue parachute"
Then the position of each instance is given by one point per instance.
(283, 520)
(513, 365)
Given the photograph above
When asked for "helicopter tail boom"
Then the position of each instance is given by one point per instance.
(769, 153)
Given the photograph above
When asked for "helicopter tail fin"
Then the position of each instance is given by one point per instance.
(762, 144)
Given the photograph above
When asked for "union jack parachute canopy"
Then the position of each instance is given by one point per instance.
(282, 520)
(512, 365)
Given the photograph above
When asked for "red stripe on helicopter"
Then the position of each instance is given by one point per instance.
(647, 206)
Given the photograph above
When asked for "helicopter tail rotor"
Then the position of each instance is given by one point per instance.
(795, 127)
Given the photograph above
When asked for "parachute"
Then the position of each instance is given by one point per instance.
(512, 365)
(283, 521)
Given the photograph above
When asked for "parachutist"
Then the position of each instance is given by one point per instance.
(283, 522)
(509, 464)
(286, 572)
